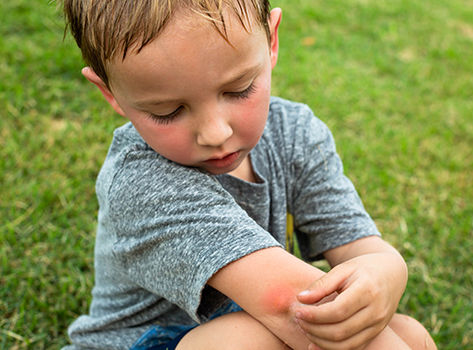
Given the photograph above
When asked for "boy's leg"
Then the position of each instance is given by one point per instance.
(238, 330)
(403, 332)
(234, 331)
(412, 332)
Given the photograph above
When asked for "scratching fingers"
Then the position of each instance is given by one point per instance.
(342, 307)
(341, 331)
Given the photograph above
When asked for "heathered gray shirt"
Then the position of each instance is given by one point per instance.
(165, 229)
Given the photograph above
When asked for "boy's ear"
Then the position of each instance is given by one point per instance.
(274, 20)
(97, 81)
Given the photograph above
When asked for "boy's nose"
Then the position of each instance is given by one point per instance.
(213, 131)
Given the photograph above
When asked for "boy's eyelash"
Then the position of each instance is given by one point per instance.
(165, 119)
(243, 94)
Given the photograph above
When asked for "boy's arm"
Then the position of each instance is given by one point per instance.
(369, 276)
(368, 281)
(265, 284)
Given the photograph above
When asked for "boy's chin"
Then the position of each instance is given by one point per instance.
(217, 171)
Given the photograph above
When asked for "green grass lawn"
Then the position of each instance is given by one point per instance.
(392, 79)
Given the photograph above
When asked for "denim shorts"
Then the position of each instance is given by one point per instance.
(167, 338)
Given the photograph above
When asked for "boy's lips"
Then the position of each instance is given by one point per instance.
(225, 161)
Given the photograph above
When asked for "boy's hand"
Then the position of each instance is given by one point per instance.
(367, 292)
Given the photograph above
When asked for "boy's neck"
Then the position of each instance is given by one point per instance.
(244, 171)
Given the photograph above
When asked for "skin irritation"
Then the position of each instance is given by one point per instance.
(278, 299)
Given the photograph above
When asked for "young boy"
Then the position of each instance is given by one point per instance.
(194, 193)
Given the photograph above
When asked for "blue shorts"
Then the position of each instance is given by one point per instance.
(167, 338)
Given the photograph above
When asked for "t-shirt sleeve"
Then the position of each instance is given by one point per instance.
(326, 207)
(175, 227)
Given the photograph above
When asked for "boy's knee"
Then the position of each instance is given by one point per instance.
(412, 332)
(233, 331)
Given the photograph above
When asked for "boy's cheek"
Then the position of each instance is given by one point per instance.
(170, 141)
(255, 112)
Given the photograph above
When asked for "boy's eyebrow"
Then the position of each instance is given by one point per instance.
(242, 75)
(235, 79)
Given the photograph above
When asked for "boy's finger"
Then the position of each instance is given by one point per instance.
(324, 286)
(343, 307)
(356, 341)
(342, 330)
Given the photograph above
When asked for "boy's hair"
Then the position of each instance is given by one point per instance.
(107, 29)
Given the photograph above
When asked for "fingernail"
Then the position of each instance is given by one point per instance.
(304, 292)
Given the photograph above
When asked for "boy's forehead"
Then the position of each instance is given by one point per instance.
(186, 28)
(190, 49)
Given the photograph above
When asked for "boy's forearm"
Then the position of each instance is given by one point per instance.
(367, 245)
(286, 329)
(280, 318)
(271, 278)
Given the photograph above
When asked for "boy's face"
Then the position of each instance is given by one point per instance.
(194, 98)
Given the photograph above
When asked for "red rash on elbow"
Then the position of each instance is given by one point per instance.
(278, 299)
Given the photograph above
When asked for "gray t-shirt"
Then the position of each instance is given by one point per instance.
(165, 229)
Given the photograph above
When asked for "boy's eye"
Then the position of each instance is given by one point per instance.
(165, 118)
(242, 94)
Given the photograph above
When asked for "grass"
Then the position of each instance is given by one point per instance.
(392, 79)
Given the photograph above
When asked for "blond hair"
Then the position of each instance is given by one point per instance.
(107, 29)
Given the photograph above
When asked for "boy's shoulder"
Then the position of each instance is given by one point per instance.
(292, 113)
(126, 136)
(294, 122)
(290, 107)
(126, 144)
